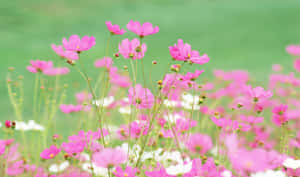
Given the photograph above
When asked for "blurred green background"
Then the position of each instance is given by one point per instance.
(236, 34)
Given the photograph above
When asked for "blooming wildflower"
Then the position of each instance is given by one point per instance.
(16, 168)
(39, 66)
(279, 114)
(70, 108)
(291, 163)
(82, 97)
(54, 168)
(293, 49)
(276, 67)
(114, 29)
(105, 62)
(56, 71)
(109, 157)
(297, 64)
(128, 172)
(257, 93)
(77, 44)
(141, 97)
(199, 143)
(50, 153)
(73, 148)
(142, 30)
(59, 50)
(269, 173)
(132, 49)
(31, 125)
(179, 169)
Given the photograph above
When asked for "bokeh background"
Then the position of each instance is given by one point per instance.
(236, 34)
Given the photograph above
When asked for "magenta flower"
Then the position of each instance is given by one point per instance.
(50, 153)
(279, 114)
(132, 49)
(15, 169)
(73, 148)
(77, 44)
(105, 62)
(69, 108)
(183, 52)
(114, 29)
(200, 59)
(293, 49)
(199, 143)
(82, 97)
(297, 64)
(109, 157)
(141, 97)
(118, 79)
(142, 30)
(258, 93)
(56, 71)
(64, 53)
(128, 172)
(39, 66)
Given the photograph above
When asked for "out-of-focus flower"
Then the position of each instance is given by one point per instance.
(279, 114)
(109, 157)
(291, 163)
(128, 172)
(199, 143)
(31, 125)
(114, 29)
(269, 173)
(105, 62)
(293, 49)
(39, 66)
(59, 50)
(141, 97)
(56, 71)
(142, 30)
(297, 64)
(55, 168)
(179, 169)
(67, 109)
(50, 153)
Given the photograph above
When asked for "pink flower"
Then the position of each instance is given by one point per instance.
(105, 62)
(114, 29)
(141, 97)
(192, 76)
(199, 143)
(279, 114)
(70, 108)
(132, 49)
(50, 153)
(109, 157)
(142, 30)
(74, 147)
(128, 172)
(293, 49)
(183, 52)
(56, 71)
(39, 66)
(8, 123)
(297, 64)
(16, 168)
(59, 50)
(77, 44)
(257, 93)
(82, 97)
(200, 59)
(276, 67)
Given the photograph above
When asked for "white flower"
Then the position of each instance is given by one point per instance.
(190, 101)
(99, 171)
(172, 117)
(226, 173)
(0, 124)
(291, 163)
(179, 168)
(269, 173)
(105, 102)
(30, 126)
(125, 110)
(54, 168)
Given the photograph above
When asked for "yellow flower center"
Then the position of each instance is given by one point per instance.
(125, 174)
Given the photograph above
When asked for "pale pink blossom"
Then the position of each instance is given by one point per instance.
(114, 29)
(132, 49)
(142, 29)
(77, 44)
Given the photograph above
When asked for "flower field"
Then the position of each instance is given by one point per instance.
(126, 116)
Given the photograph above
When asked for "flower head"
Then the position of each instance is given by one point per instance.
(132, 49)
(114, 29)
(199, 143)
(142, 30)
(293, 49)
(109, 157)
(39, 66)
(50, 153)
(279, 114)
(77, 44)
(59, 50)
(141, 97)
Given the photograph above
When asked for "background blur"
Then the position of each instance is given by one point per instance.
(236, 34)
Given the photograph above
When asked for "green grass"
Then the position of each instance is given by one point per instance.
(236, 34)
